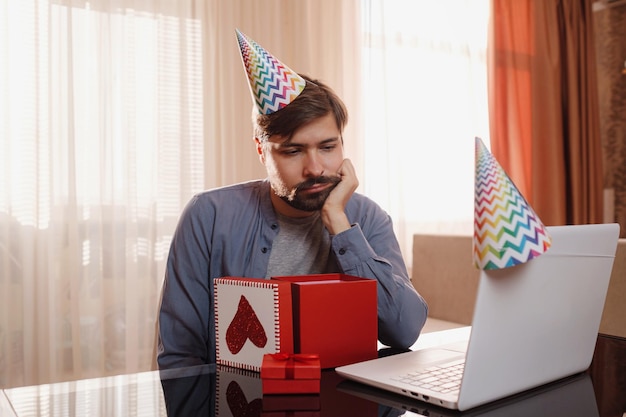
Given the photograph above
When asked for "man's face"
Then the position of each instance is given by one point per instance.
(303, 171)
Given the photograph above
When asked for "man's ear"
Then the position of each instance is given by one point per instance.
(259, 150)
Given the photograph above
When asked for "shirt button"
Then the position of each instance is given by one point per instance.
(342, 251)
(264, 250)
(274, 226)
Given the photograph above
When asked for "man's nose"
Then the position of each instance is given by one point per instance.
(313, 165)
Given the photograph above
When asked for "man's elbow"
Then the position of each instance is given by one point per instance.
(403, 332)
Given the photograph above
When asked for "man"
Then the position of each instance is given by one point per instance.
(305, 218)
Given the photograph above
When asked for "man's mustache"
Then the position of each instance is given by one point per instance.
(318, 180)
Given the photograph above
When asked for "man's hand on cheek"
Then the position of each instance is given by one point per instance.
(333, 211)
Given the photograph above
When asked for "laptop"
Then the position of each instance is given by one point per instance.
(533, 323)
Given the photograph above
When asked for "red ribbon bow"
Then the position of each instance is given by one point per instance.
(291, 359)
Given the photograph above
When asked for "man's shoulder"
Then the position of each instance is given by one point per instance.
(249, 194)
(361, 205)
(233, 190)
(361, 200)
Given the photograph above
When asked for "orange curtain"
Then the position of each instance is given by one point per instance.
(543, 105)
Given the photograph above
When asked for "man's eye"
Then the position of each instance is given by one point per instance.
(290, 152)
(329, 147)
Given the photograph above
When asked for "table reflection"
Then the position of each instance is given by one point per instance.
(223, 391)
(211, 390)
(226, 391)
(189, 391)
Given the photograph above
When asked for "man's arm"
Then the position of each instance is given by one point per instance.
(376, 254)
(369, 248)
(185, 309)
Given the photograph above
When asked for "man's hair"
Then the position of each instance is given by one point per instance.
(315, 101)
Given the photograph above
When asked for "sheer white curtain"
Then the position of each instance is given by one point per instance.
(425, 99)
(112, 114)
(101, 137)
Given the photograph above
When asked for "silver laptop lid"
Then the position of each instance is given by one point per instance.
(537, 322)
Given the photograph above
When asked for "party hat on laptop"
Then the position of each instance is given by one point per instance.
(507, 231)
(273, 85)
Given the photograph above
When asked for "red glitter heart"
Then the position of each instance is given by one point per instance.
(245, 325)
(238, 404)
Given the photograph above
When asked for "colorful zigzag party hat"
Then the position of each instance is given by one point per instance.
(273, 85)
(507, 231)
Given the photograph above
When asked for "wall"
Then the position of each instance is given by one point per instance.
(610, 36)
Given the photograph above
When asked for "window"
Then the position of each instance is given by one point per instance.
(425, 87)
(101, 137)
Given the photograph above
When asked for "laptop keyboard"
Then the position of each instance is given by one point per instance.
(444, 379)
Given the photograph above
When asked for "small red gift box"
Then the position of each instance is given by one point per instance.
(335, 315)
(284, 373)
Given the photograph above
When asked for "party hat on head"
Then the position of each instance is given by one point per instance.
(273, 85)
(507, 231)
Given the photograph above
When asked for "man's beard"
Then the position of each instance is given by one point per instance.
(310, 201)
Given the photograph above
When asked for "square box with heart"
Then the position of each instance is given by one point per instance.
(253, 317)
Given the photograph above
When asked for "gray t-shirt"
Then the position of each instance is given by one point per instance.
(302, 247)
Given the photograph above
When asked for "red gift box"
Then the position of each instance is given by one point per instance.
(336, 316)
(283, 373)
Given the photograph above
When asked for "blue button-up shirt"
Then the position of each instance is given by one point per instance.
(229, 231)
